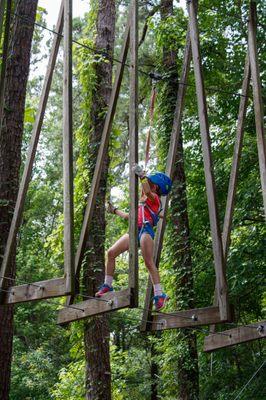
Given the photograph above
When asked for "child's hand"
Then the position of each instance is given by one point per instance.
(110, 208)
(138, 171)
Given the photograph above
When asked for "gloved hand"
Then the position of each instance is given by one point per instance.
(138, 171)
(110, 208)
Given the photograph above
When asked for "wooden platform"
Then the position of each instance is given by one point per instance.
(187, 318)
(109, 302)
(235, 336)
(36, 291)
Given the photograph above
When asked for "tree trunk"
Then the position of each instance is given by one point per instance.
(96, 331)
(10, 160)
(187, 364)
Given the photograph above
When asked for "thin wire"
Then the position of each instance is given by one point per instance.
(93, 297)
(246, 385)
(110, 58)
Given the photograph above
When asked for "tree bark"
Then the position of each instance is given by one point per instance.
(10, 159)
(96, 331)
(187, 365)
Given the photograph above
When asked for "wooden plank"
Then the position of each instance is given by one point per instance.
(5, 47)
(187, 318)
(69, 261)
(36, 291)
(236, 160)
(171, 160)
(219, 264)
(234, 336)
(114, 301)
(133, 156)
(257, 95)
(32, 150)
(101, 157)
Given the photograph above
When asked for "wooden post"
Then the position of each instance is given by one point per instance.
(133, 156)
(221, 283)
(171, 160)
(69, 265)
(258, 104)
(32, 149)
(234, 171)
(101, 156)
(5, 52)
(236, 160)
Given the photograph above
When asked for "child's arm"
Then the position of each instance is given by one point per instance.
(121, 214)
(146, 188)
(114, 210)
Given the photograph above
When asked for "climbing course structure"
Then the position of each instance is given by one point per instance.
(60, 286)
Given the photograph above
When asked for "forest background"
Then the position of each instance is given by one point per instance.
(50, 362)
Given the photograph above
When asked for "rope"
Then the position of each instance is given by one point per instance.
(148, 139)
(246, 385)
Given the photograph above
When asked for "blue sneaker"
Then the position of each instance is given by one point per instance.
(160, 301)
(104, 289)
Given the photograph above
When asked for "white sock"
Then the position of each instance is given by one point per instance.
(157, 289)
(108, 280)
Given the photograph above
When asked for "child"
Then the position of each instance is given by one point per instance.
(153, 186)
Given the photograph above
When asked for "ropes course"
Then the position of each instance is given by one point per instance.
(220, 311)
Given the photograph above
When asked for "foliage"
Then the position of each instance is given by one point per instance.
(49, 361)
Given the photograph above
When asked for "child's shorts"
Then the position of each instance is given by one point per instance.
(146, 228)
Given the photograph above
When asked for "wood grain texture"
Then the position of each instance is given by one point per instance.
(187, 318)
(114, 301)
(36, 291)
(235, 336)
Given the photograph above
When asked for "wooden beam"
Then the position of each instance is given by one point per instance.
(133, 156)
(171, 160)
(258, 103)
(185, 319)
(32, 150)
(226, 237)
(236, 160)
(234, 336)
(219, 264)
(101, 157)
(109, 302)
(36, 291)
(69, 261)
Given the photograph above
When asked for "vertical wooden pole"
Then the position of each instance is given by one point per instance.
(258, 104)
(171, 160)
(5, 52)
(221, 283)
(133, 156)
(68, 151)
(32, 148)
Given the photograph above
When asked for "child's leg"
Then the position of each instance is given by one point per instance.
(147, 244)
(118, 248)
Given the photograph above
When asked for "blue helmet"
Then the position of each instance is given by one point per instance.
(162, 180)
